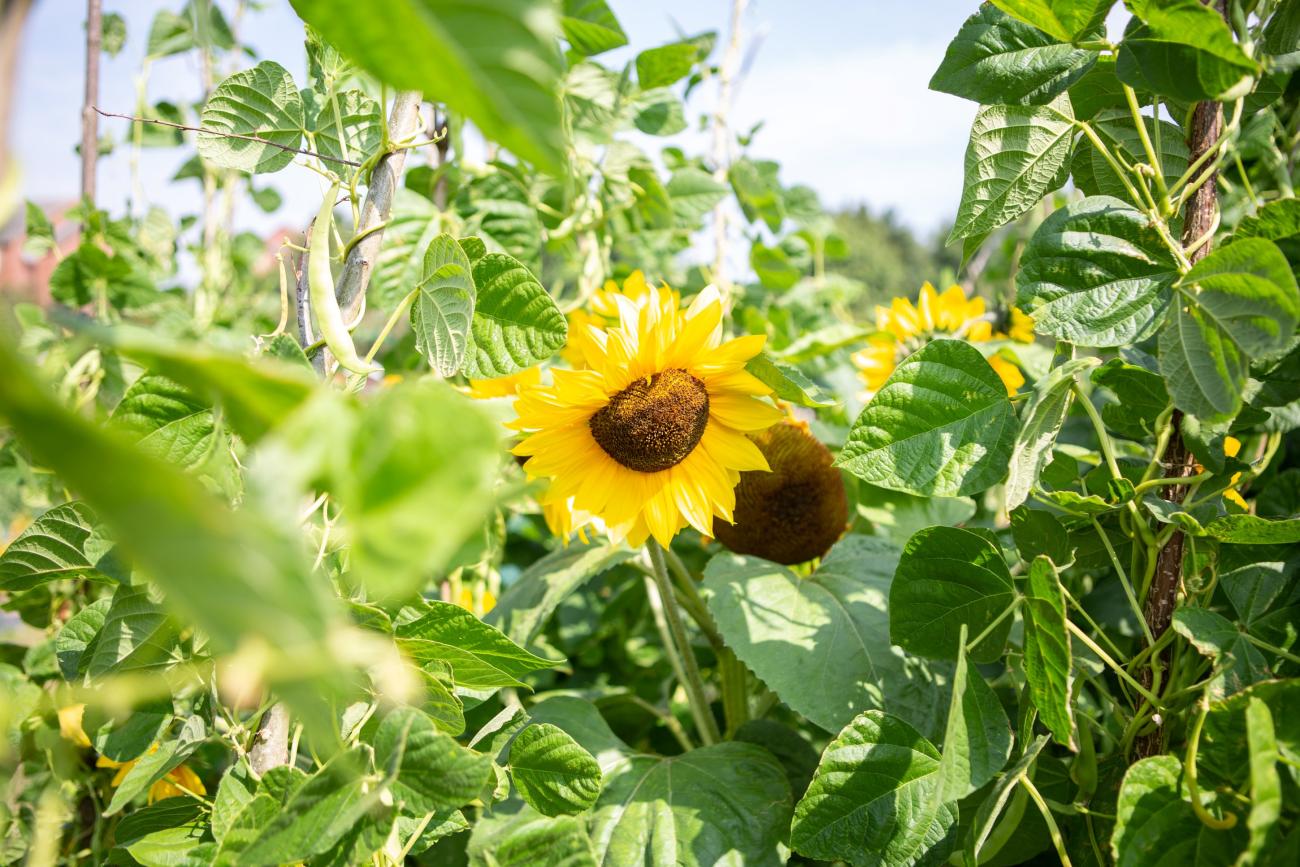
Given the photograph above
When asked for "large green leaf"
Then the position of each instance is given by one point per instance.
(233, 573)
(1096, 273)
(430, 770)
(262, 102)
(1141, 394)
(1237, 304)
(1039, 425)
(1047, 650)
(480, 656)
(53, 547)
(874, 799)
(516, 323)
(1093, 175)
(728, 803)
(821, 642)
(494, 62)
(1064, 20)
(977, 737)
(1184, 50)
(552, 772)
(1016, 155)
(137, 635)
(168, 420)
(1238, 663)
(417, 484)
(590, 27)
(940, 426)
(523, 609)
(512, 834)
(947, 577)
(441, 313)
(997, 60)
(1155, 825)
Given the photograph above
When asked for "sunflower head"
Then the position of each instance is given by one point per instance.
(651, 436)
(793, 513)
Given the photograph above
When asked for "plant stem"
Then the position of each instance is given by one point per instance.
(398, 312)
(1152, 157)
(1271, 648)
(988, 630)
(89, 120)
(693, 683)
(1110, 159)
(1057, 840)
(1123, 579)
(1151, 484)
(1114, 666)
(1189, 774)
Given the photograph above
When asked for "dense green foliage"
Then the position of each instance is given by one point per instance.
(276, 591)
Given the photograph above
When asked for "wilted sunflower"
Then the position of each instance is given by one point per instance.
(794, 513)
(651, 437)
(905, 327)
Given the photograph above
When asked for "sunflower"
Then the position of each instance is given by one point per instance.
(794, 513)
(602, 311)
(903, 327)
(651, 437)
(179, 781)
(504, 386)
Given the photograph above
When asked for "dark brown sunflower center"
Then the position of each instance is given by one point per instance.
(653, 424)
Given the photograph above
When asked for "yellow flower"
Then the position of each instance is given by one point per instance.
(466, 599)
(173, 785)
(70, 724)
(651, 437)
(904, 326)
(504, 386)
(603, 311)
(1231, 447)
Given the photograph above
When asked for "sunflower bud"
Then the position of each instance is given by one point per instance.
(793, 513)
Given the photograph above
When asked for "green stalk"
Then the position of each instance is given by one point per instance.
(693, 682)
(1114, 666)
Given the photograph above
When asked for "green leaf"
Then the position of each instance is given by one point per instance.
(788, 382)
(53, 547)
(874, 799)
(168, 813)
(1064, 20)
(1184, 50)
(725, 803)
(991, 807)
(1254, 530)
(414, 224)
(694, 193)
(441, 313)
(255, 396)
(236, 789)
(997, 60)
(425, 446)
(523, 609)
(433, 772)
(1016, 155)
(1155, 825)
(1282, 37)
(137, 635)
(38, 231)
(168, 421)
(349, 127)
(1237, 304)
(977, 738)
(1096, 273)
(1265, 783)
(262, 102)
(758, 191)
(112, 33)
(315, 816)
(1142, 398)
(197, 25)
(1115, 127)
(131, 738)
(152, 767)
(515, 835)
(658, 112)
(480, 656)
(821, 642)
(1047, 650)
(505, 84)
(1274, 220)
(516, 323)
(75, 644)
(552, 772)
(668, 64)
(947, 577)
(1237, 662)
(1040, 423)
(897, 516)
(940, 426)
(590, 27)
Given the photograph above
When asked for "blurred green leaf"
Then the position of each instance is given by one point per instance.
(590, 27)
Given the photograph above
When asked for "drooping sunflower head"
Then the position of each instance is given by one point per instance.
(904, 327)
(650, 437)
(794, 513)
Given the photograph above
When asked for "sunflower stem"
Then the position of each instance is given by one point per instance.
(690, 668)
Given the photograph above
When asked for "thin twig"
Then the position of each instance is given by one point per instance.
(224, 134)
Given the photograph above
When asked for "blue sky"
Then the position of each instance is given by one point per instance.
(841, 85)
